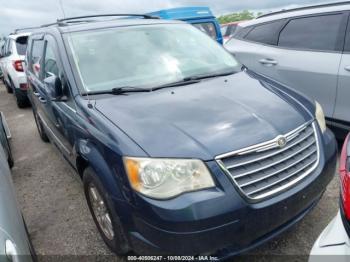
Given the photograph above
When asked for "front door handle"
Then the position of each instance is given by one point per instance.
(347, 68)
(268, 62)
(42, 100)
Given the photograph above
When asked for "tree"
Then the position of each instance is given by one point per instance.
(239, 16)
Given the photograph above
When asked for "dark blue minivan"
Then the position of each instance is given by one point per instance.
(180, 149)
(200, 17)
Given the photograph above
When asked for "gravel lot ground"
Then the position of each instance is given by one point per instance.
(54, 207)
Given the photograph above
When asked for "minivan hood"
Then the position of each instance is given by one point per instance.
(204, 120)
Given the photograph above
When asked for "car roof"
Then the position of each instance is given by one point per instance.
(191, 12)
(91, 25)
(15, 36)
(289, 13)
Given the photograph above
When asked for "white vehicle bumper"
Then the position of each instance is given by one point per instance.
(333, 244)
(19, 79)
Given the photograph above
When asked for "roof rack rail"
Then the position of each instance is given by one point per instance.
(304, 8)
(106, 15)
(23, 29)
(70, 20)
(55, 23)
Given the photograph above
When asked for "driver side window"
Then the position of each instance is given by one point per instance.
(50, 64)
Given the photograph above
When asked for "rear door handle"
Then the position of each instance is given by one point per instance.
(268, 62)
(347, 68)
(42, 100)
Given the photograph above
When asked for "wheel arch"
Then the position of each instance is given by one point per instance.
(88, 155)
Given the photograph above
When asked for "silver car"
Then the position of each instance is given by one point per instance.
(305, 48)
(14, 242)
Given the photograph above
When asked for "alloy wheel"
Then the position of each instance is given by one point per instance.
(101, 212)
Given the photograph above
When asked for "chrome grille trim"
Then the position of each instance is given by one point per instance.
(274, 163)
(278, 171)
(272, 154)
(265, 169)
(278, 181)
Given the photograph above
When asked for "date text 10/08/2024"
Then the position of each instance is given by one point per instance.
(172, 258)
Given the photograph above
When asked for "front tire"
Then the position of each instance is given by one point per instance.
(104, 214)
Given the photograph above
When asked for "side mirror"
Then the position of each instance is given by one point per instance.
(54, 87)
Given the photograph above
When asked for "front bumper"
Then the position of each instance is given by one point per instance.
(219, 221)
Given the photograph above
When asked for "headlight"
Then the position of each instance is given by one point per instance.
(10, 251)
(163, 178)
(320, 117)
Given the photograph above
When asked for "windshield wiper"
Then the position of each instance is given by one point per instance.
(185, 81)
(192, 80)
(182, 82)
(118, 90)
(204, 76)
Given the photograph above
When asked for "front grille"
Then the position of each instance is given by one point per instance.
(266, 169)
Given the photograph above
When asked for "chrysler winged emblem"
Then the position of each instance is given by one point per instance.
(281, 141)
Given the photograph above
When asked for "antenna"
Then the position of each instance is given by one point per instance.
(61, 5)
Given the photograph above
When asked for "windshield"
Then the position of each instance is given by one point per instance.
(21, 45)
(146, 56)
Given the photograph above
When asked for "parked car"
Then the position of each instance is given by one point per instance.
(1, 55)
(335, 239)
(200, 17)
(12, 67)
(305, 48)
(228, 29)
(5, 135)
(176, 146)
(14, 241)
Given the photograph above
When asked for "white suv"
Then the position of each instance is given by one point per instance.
(12, 67)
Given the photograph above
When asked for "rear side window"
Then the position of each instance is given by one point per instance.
(36, 57)
(224, 30)
(265, 33)
(208, 28)
(229, 30)
(312, 33)
(21, 45)
(8, 47)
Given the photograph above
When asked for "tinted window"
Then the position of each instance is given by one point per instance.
(316, 33)
(50, 66)
(21, 45)
(36, 56)
(265, 33)
(241, 32)
(208, 28)
(8, 47)
(229, 30)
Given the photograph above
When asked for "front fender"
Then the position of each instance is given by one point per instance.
(90, 152)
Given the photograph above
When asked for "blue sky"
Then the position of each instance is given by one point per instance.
(26, 13)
